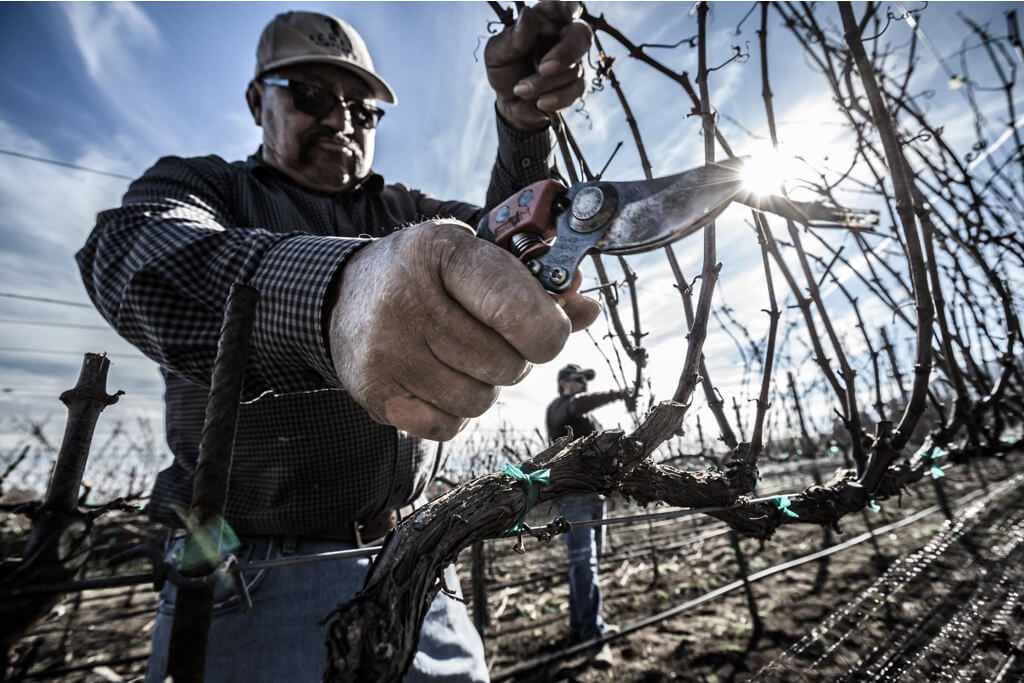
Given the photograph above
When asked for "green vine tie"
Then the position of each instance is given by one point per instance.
(783, 503)
(936, 471)
(531, 482)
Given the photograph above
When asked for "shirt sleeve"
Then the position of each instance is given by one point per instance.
(523, 159)
(581, 404)
(159, 269)
(556, 416)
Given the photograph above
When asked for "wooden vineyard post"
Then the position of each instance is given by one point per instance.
(748, 589)
(940, 494)
(479, 580)
(194, 605)
(59, 543)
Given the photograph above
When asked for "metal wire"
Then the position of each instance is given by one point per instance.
(43, 299)
(671, 514)
(368, 551)
(65, 164)
(589, 645)
(309, 559)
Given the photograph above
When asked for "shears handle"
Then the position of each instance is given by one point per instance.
(525, 223)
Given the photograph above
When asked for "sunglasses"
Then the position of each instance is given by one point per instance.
(319, 102)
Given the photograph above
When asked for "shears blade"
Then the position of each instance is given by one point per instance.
(657, 212)
(654, 213)
(551, 228)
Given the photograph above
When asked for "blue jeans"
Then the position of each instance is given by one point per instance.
(584, 545)
(280, 638)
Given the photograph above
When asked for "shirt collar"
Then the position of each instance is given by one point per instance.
(372, 183)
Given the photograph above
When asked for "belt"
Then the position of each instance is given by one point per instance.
(370, 529)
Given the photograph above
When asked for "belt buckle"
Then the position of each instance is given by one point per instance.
(357, 535)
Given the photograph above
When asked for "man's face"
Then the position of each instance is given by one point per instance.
(328, 154)
(574, 385)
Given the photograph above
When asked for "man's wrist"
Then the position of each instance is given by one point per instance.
(295, 278)
(506, 110)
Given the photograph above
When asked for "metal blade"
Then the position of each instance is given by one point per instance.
(638, 216)
(811, 214)
(653, 213)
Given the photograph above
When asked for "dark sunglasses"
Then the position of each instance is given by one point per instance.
(318, 102)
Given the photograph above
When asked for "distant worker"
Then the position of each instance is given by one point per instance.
(569, 411)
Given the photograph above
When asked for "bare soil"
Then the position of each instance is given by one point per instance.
(961, 606)
(715, 641)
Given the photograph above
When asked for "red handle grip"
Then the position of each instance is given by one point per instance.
(524, 223)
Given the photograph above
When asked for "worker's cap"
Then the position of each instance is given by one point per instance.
(309, 37)
(573, 371)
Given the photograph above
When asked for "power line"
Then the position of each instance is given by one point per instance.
(45, 300)
(12, 395)
(13, 321)
(65, 352)
(47, 352)
(994, 146)
(64, 164)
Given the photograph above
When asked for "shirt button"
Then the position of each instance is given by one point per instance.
(525, 162)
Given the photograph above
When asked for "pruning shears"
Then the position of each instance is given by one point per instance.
(551, 227)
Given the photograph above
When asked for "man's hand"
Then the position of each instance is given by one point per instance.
(527, 92)
(428, 323)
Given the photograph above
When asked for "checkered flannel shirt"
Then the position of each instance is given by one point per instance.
(307, 458)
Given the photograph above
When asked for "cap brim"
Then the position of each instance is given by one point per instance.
(380, 89)
(583, 376)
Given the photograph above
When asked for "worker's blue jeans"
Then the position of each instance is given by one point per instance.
(584, 545)
(280, 638)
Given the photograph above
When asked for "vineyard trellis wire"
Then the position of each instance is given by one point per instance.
(956, 268)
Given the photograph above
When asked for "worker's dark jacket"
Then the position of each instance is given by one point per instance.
(571, 412)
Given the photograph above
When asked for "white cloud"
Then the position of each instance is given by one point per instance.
(48, 212)
(116, 41)
(462, 171)
(108, 34)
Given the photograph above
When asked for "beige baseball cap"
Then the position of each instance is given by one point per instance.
(572, 370)
(305, 37)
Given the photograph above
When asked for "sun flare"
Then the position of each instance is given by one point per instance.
(807, 147)
(765, 172)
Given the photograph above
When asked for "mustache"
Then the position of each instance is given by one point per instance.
(325, 133)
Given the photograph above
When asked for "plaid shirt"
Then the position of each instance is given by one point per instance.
(307, 458)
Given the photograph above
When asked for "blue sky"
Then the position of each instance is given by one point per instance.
(114, 86)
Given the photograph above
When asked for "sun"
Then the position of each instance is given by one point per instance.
(767, 170)
(764, 172)
(807, 146)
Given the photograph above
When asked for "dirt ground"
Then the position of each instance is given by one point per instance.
(715, 641)
(102, 635)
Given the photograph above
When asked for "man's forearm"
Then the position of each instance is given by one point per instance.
(159, 269)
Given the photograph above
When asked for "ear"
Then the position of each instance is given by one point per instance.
(254, 98)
